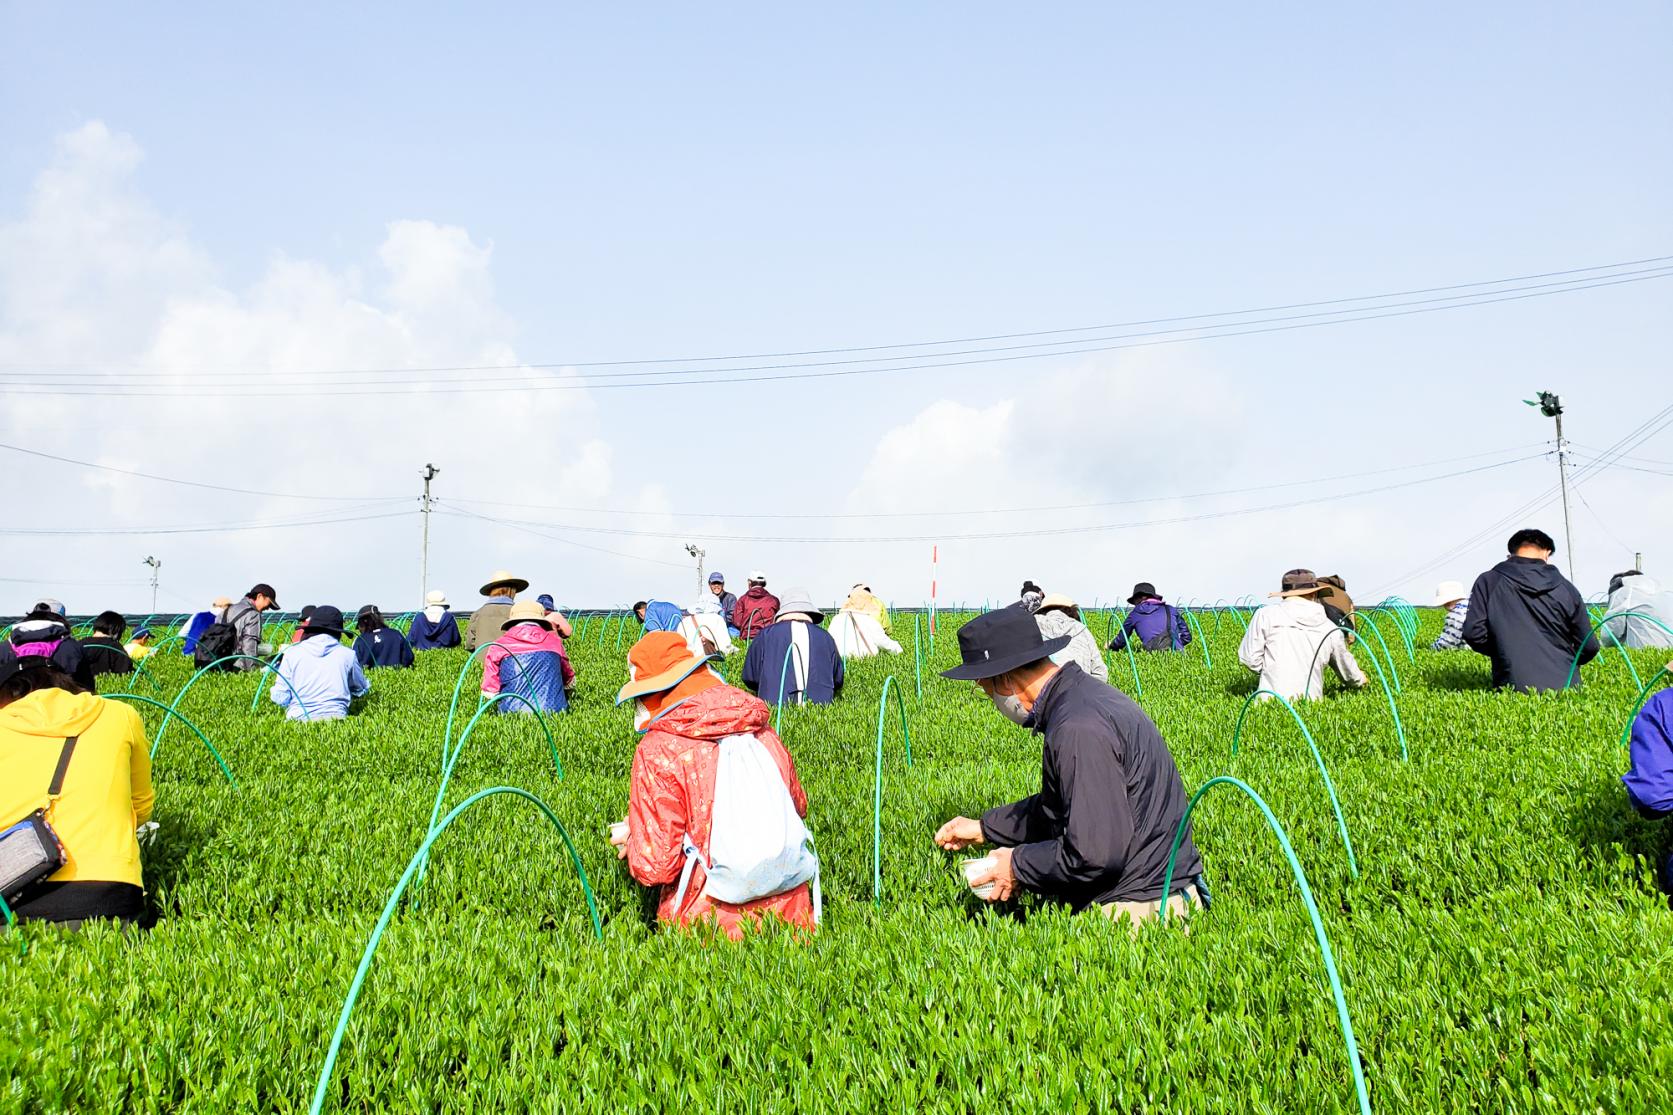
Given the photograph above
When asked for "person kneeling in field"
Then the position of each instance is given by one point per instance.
(1098, 832)
(528, 659)
(1649, 782)
(319, 676)
(714, 807)
(1288, 643)
(861, 627)
(78, 767)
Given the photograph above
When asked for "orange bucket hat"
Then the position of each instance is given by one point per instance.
(662, 671)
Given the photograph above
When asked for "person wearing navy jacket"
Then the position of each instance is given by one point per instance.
(379, 644)
(1649, 782)
(435, 628)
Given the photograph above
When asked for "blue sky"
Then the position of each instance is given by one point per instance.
(670, 181)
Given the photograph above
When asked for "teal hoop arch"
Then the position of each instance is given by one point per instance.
(1387, 655)
(1631, 613)
(395, 897)
(778, 704)
(1324, 773)
(138, 664)
(1202, 641)
(222, 763)
(877, 783)
(1133, 664)
(1319, 935)
(1399, 627)
(1393, 709)
(1638, 705)
(174, 706)
(917, 659)
(453, 705)
(459, 748)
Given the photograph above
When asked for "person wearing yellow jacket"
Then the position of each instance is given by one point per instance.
(105, 794)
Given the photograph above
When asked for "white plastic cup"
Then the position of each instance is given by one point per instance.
(618, 832)
(974, 869)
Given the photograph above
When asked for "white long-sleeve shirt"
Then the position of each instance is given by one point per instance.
(1282, 645)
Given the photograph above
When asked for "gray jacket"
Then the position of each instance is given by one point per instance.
(247, 622)
(1083, 647)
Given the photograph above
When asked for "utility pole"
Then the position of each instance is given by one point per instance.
(429, 474)
(156, 572)
(1552, 407)
(699, 553)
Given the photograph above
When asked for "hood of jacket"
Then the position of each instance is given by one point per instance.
(38, 631)
(660, 615)
(530, 636)
(51, 712)
(715, 713)
(1531, 576)
(757, 592)
(1149, 607)
(314, 646)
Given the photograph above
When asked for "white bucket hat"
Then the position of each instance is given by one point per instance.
(1448, 591)
(435, 598)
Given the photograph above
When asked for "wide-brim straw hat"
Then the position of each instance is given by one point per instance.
(504, 578)
(658, 662)
(1300, 582)
(526, 611)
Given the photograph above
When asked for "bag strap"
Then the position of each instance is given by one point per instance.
(692, 858)
(56, 787)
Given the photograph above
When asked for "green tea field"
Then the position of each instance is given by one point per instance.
(1488, 897)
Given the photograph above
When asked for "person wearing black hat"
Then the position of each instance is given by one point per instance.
(319, 676)
(1156, 625)
(1098, 832)
(245, 618)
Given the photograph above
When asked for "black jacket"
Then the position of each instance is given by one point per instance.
(1109, 804)
(106, 655)
(1529, 620)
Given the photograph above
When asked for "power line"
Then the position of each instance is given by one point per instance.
(963, 340)
(215, 528)
(971, 512)
(185, 483)
(528, 528)
(1044, 532)
(798, 371)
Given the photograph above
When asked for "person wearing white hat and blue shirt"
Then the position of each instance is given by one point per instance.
(436, 627)
(1455, 598)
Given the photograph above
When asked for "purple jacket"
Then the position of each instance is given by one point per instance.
(1650, 781)
(1149, 619)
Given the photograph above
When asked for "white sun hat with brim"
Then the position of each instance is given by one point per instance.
(435, 598)
(1448, 591)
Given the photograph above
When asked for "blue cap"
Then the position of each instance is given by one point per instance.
(717, 578)
(545, 601)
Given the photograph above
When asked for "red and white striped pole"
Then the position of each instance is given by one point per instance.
(934, 566)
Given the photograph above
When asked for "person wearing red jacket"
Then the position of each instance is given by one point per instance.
(756, 608)
(685, 710)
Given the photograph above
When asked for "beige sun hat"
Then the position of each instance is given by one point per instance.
(527, 611)
(435, 598)
(1055, 600)
(221, 602)
(1448, 591)
(1299, 582)
(504, 578)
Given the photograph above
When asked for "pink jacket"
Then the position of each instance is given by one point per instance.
(525, 638)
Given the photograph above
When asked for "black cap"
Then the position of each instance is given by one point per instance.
(1000, 641)
(326, 620)
(266, 590)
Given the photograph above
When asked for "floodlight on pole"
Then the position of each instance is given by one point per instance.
(156, 565)
(699, 553)
(1551, 406)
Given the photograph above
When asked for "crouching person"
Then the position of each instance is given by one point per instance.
(319, 676)
(1649, 782)
(714, 808)
(1098, 832)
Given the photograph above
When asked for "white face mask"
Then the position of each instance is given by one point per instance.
(1010, 707)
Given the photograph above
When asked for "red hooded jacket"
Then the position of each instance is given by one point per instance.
(756, 609)
(673, 793)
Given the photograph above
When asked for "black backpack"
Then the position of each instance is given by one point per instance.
(218, 640)
(1166, 639)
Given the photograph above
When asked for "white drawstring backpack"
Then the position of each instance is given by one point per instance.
(758, 845)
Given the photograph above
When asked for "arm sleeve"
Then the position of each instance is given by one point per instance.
(1252, 650)
(1129, 626)
(1182, 627)
(1098, 831)
(1581, 620)
(1651, 750)
(1343, 661)
(1475, 630)
(358, 685)
(1452, 632)
(281, 691)
(752, 666)
(139, 771)
(561, 624)
(363, 650)
(656, 822)
(470, 631)
(566, 668)
(839, 671)
(491, 670)
(406, 651)
(1014, 824)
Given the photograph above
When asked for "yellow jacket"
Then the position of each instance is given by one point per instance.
(107, 789)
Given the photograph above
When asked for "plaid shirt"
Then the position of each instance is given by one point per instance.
(1452, 635)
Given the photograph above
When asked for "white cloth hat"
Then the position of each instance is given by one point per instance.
(435, 597)
(757, 575)
(1448, 591)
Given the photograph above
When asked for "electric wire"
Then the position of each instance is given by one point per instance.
(187, 483)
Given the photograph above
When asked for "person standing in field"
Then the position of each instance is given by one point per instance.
(1097, 835)
(699, 731)
(1288, 643)
(756, 608)
(1649, 781)
(1156, 624)
(244, 618)
(794, 659)
(1528, 618)
(84, 762)
(106, 655)
(489, 618)
(318, 677)
(378, 644)
(1058, 615)
(436, 627)
(1452, 596)
(200, 622)
(725, 601)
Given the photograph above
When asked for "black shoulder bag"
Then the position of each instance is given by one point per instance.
(30, 850)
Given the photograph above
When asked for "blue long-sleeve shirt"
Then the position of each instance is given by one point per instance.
(318, 674)
(1149, 619)
(1650, 781)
